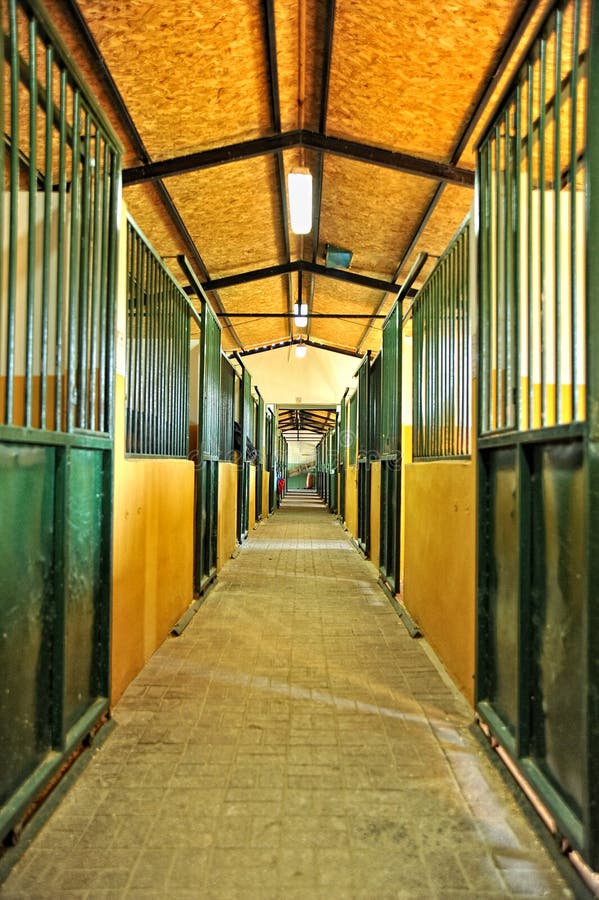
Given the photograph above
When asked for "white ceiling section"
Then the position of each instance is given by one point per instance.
(321, 377)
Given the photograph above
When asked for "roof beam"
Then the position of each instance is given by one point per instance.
(310, 140)
(268, 315)
(292, 343)
(301, 265)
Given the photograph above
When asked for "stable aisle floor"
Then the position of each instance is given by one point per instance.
(294, 742)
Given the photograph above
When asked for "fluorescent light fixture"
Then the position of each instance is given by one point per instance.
(300, 350)
(300, 312)
(300, 200)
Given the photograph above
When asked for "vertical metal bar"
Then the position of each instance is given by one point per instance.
(496, 273)
(542, 213)
(112, 232)
(508, 250)
(574, 347)
(14, 214)
(502, 261)
(451, 347)
(5, 78)
(557, 183)
(517, 387)
(84, 253)
(47, 239)
(484, 319)
(129, 338)
(161, 312)
(135, 448)
(96, 244)
(31, 231)
(150, 356)
(59, 425)
(74, 237)
(437, 392)
(167, 364)
(103, 372)
(530, 242)
(139, 288)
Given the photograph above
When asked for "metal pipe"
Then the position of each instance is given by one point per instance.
(590, 877)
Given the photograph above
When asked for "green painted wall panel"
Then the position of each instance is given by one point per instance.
(558, 617)
(82, 537)
(26, 566)
(503, 585)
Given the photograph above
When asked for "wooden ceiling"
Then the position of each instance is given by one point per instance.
(216, 102)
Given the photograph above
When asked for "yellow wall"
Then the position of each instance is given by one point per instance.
(227, 513)
(351, 499)
(252, 503)
(152, 581)
(439, 577)
(265, 490)
(375, 512)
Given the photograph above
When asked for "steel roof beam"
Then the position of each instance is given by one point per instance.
(301, 265)
(310, 140)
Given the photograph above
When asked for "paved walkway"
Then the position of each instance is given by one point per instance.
(294, 742)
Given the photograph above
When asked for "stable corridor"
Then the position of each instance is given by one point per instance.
(293, 742)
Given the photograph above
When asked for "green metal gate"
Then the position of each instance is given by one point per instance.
(363, 535)
(270, 460)
(209, 413)
(58, 227)
(260, 450)
(246, 408)
(538, 635)
(390, 449)
(332, 467)
(342, 450)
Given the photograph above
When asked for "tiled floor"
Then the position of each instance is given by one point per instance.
(294, 742)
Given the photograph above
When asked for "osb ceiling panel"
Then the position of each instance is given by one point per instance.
(233, 214)
(407, 75)
(193, 75)
(261, 332)
(300, 29)
(371, 211)
(332, 296)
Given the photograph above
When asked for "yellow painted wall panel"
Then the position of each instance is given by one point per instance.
(265, 490)
(406, 459)
(375, 512)
(351, 500)
(227, 513)
(152, 582)
(440, 553)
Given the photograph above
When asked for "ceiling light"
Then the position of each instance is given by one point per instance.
(300, 312)
(300, 200)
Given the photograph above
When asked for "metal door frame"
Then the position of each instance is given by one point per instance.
(391, 456)
(207, 467)
(511, 453)
(76, 427)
